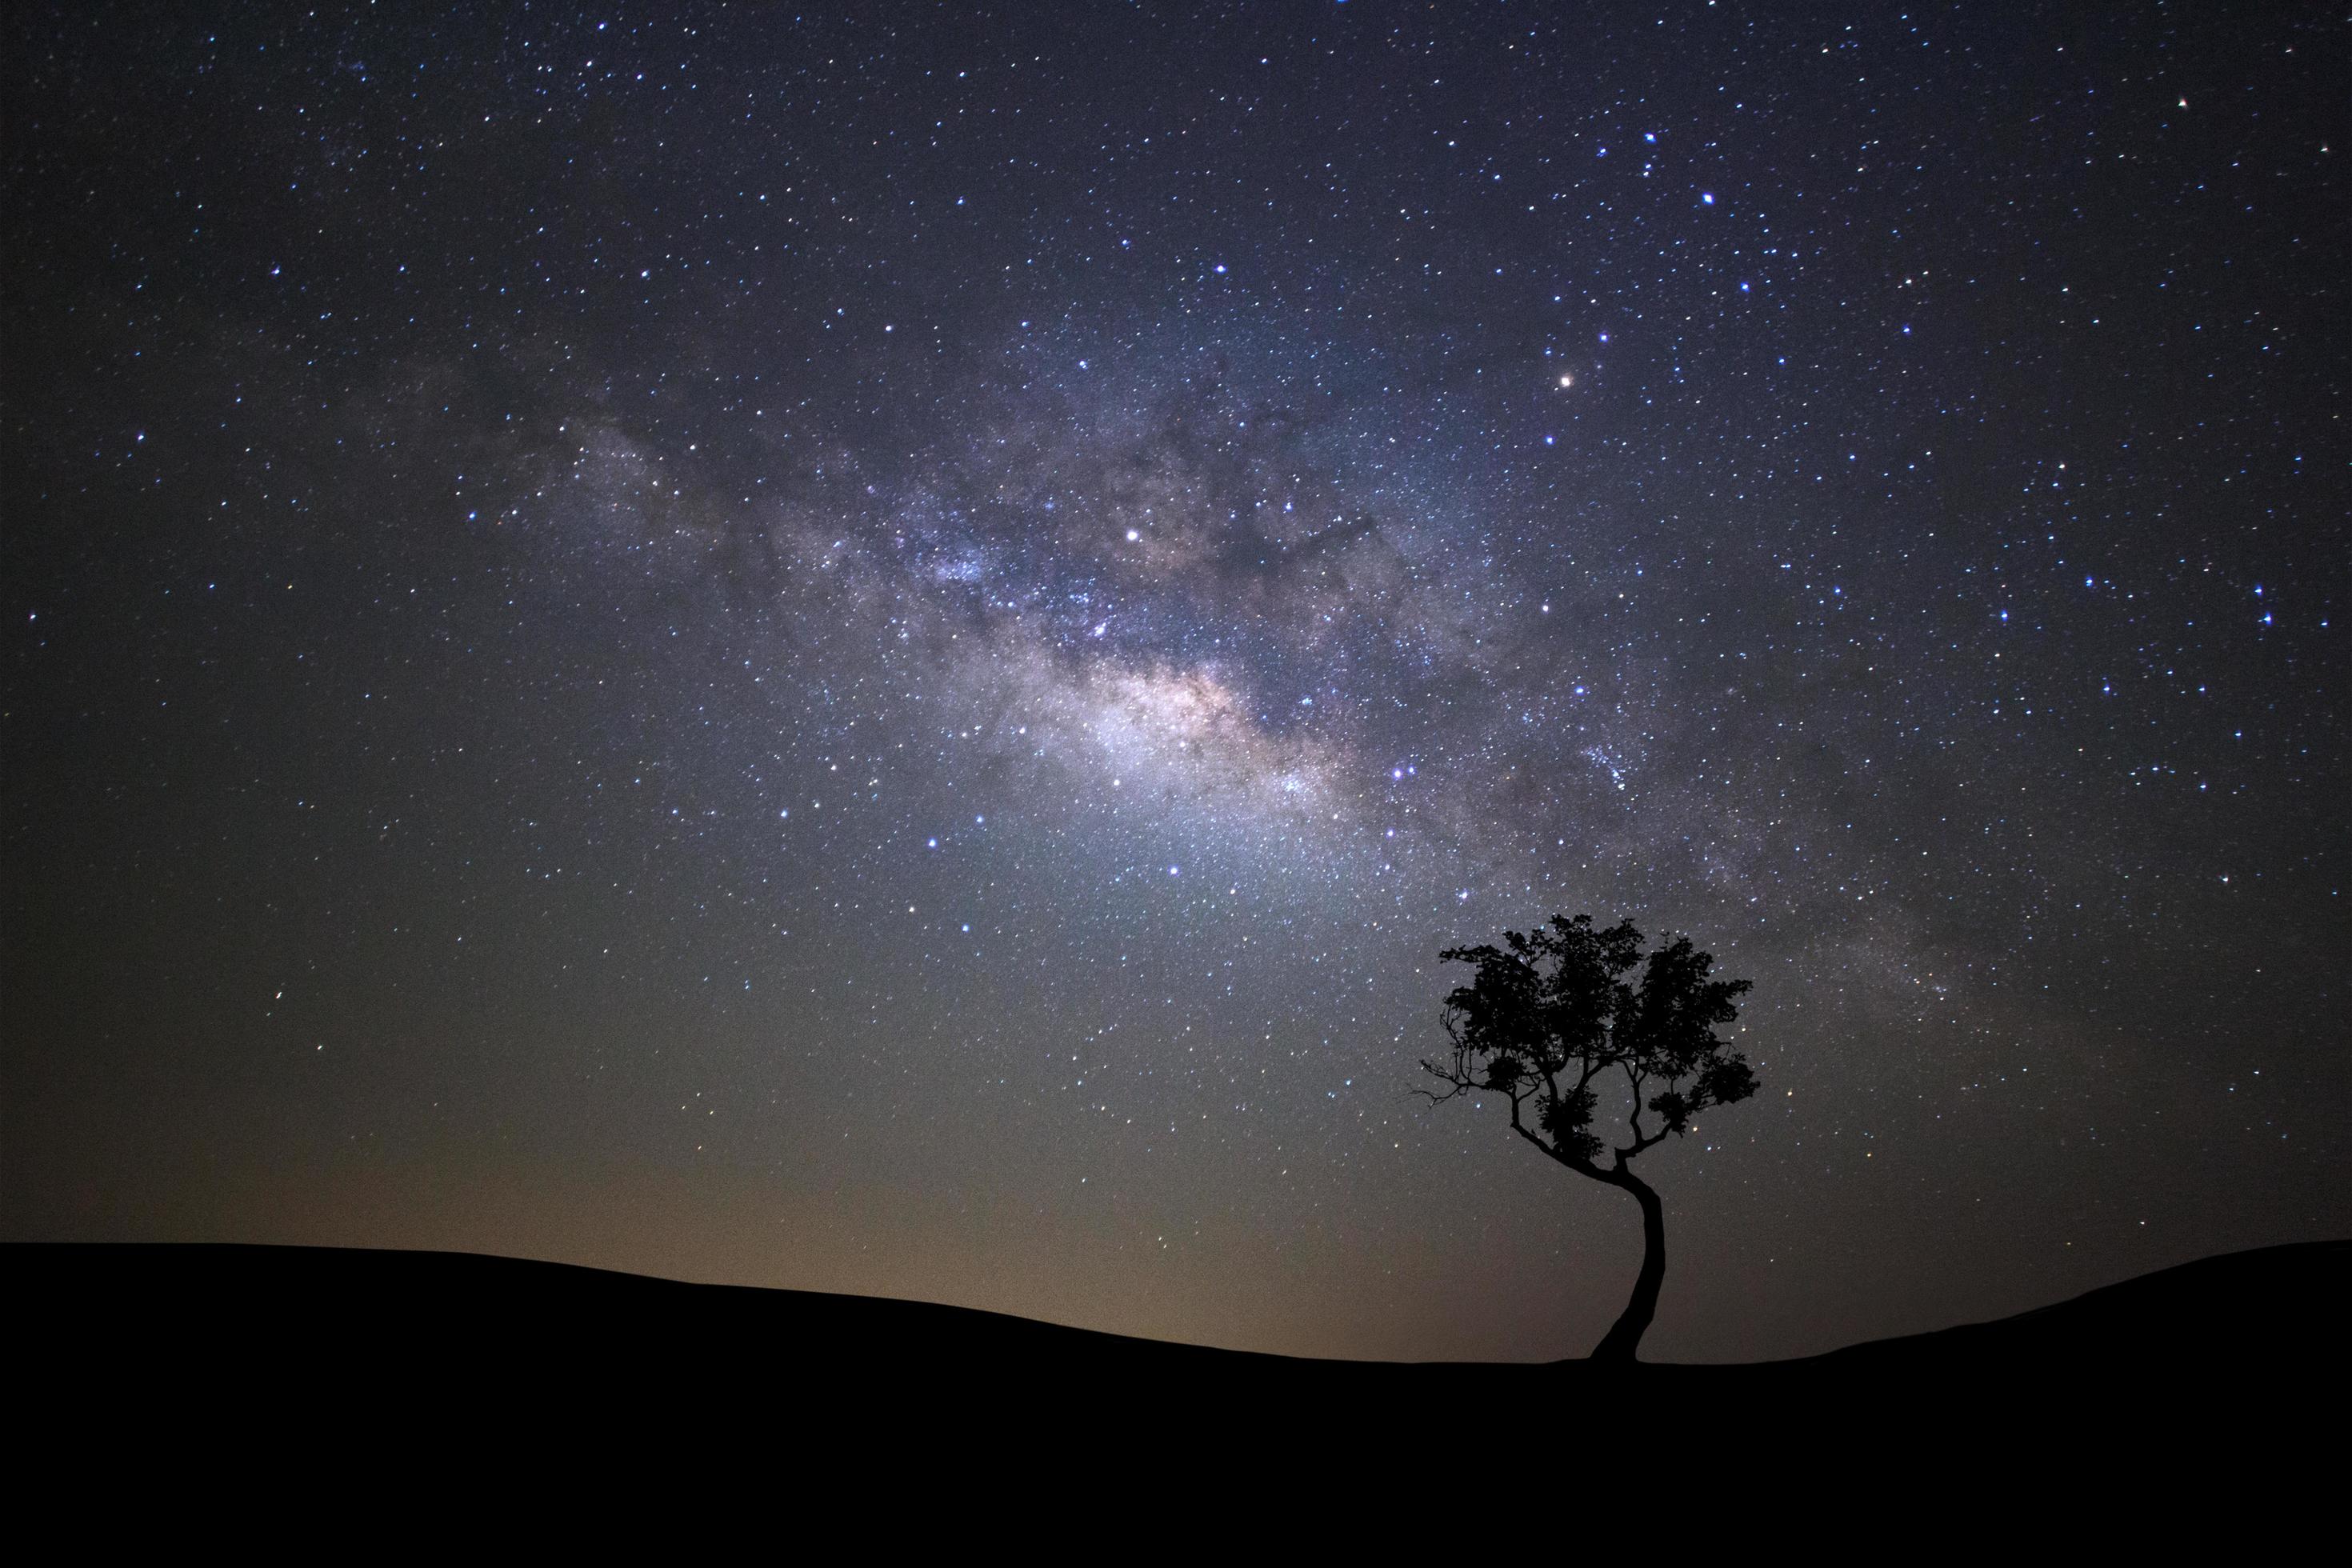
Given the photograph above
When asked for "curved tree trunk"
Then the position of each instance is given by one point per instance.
(1618, 1344)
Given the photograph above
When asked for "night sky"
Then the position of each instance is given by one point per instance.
(873, 651)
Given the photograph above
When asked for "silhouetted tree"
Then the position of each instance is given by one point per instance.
(1551, 1022)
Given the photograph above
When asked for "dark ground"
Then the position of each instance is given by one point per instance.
(251, 1341)
(357, 1403)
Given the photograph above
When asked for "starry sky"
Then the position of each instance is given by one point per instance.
(872, 650)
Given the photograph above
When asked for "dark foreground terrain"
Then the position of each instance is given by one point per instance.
(2217, 1367)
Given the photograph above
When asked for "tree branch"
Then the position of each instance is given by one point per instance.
(1640, 1141)
(1581, 1167)
(1633, 1118)
(1461, 1084)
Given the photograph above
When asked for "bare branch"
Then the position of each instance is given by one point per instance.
(1634, 1117)
(1640, 1141)
(1460, 1082)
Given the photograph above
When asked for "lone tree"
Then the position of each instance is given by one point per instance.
(1551, 1022)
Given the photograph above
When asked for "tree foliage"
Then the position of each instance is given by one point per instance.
(1552, 1020)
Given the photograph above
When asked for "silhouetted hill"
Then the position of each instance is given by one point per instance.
(2277, 1303)
(2275, 1310)
(261, 1339)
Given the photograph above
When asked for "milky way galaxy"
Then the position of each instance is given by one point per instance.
(876, 652)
